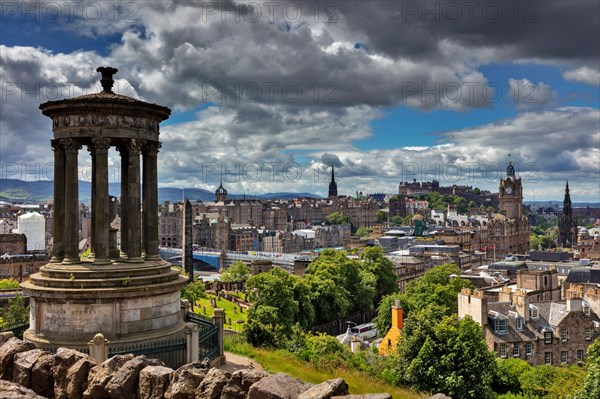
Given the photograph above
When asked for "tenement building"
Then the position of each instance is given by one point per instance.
(546, 332)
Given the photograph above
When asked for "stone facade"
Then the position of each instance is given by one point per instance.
(13, 243)
(547, 332)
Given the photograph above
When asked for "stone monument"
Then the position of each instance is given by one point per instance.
(130, 295)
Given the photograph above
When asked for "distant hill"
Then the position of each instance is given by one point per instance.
(43, 190)
(559, 204)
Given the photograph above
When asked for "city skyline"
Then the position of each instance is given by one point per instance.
(270, 95)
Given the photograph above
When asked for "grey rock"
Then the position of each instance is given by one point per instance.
(123, 385)
(42, 380)
(367, 396)
(240, 382)
(101, 374)
(439, 396)
(154, 382)
(22, 364)
(212, 385)
(185, 381)
(70, 384)
(326, 390)
(7, 353)
(278, 386)
(12, 390)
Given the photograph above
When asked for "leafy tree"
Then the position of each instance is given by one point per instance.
(236, 272)
(381, 216)
(276, 309)
(454, 360)
(374, 261)
(471, 205)
(508, 373)
(9, 284)
(476, 191)
(590, 388)
(337, 218)
(397, 221)
(439, 286)
(383, 320)
(330, 302)
(361, 231)
(16, 312)
(193, 291)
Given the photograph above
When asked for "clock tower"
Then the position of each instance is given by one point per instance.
(511, 194)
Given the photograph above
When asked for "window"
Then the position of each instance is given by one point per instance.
(547, 337)
(588, 333)
(501, 326)
(564, 335)
(519, 322)
(548, 358)
(564, 357)
(516, 350)
(502, 350)
(580, 355)
(529, 348)
(545, 281)
(586, 308)
(533, 312)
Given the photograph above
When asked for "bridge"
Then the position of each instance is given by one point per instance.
(213, 258)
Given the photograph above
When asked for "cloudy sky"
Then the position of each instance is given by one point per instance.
(269, 94)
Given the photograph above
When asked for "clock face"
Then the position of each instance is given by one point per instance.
(508, 190)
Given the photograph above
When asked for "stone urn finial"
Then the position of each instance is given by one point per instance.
(107, 78)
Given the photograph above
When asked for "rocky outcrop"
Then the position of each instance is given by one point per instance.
(154, 382)
(101, 374)
(186, 380)
(367, 396)
(42, 379)
(70, 374)
(212, 385)
(12, 390)
(326, 390)
(240, 382)
(439, 396)
(124, 383)
(22, 364)
(7, 353)
(278, 386)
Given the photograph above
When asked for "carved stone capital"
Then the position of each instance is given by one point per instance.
(71, 146)
(151, 148)
(135, 146)
(57, 146)
(99, 145)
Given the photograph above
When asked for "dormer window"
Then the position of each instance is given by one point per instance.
(501, 326)
(586, 308)
(519, 323)
(534, 312)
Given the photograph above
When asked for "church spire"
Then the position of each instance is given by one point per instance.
(332, 184)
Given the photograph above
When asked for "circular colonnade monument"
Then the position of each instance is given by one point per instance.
(129, 294)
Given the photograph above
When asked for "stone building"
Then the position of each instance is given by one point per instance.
(13, 243)
(588, 244)
(547, 332)
(170, 224)
(509, 229)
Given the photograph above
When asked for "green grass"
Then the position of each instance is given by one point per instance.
(281, 361)
(204, 304)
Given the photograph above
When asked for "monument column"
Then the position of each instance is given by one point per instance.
(150, 187)
(100, 200)
(134, 222)
(71, 187)
(124, 210)
(58, 218)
